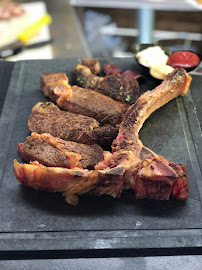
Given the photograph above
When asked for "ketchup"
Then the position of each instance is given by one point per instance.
(183, 59)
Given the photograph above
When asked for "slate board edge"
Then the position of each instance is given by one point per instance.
(109, 240)
(9, 113)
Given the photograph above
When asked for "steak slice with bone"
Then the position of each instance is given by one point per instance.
(55, 152)
(154, 176)
(130, 165)
(48, 118)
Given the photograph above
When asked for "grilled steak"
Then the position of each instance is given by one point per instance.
(83, 77)
(118, 86)
(102, 135)
(84, 101)
(130, 165)
(88, 102)
(48, 118)
(55, 152)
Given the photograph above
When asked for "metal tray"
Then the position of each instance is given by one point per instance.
(37, 221)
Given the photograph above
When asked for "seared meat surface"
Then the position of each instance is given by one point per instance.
(119, 86)
(83, 77)
(48, 118)
(90, 103)
(102, 134)
(55, 152)
(92, 64)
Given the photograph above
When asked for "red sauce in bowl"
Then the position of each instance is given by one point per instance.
(183, 59)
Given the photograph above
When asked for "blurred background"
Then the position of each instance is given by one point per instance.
(96, 28)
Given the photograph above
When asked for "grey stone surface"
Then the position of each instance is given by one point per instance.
(36, 220)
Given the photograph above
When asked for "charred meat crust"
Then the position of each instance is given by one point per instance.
(83, 77)
(119, 86)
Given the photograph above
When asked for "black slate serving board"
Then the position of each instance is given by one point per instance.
(37, 221)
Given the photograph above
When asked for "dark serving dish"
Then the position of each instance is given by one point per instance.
(141, 47)
(194, 67)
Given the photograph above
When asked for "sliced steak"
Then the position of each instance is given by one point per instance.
(48, 118)
(103, 135)
(85, 101)
(119, 86)
(130, 165)
(49, 78)
(93, 104)
(55, 152)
